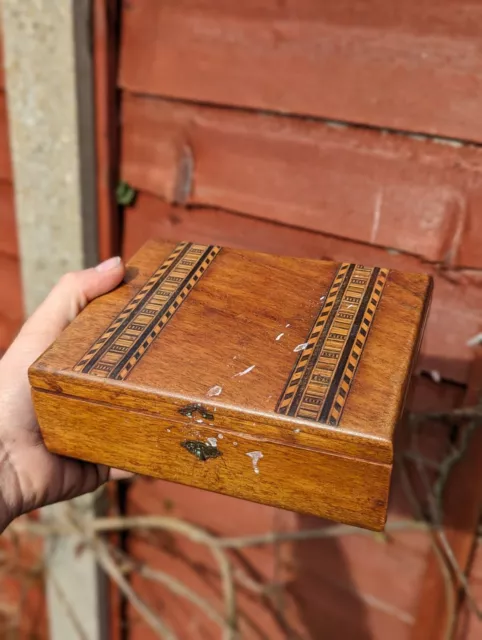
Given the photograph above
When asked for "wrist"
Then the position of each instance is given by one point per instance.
(10, 494)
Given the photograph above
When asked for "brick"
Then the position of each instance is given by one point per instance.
(388, 190)
(8, 228)
(456, 312)
(410, 65)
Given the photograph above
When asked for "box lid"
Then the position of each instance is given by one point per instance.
(309, 352)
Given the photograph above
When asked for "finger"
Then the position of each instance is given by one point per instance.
(66, 300)
(119, 474)
(74, 291)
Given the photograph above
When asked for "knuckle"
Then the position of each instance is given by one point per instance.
(68, 280)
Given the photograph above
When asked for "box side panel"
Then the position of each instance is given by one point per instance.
(339, 488)
(382, 372)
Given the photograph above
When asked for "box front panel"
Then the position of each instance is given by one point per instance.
(339, 488)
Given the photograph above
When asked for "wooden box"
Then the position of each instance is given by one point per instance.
(277, 380)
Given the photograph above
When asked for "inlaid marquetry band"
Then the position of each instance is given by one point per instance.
(321, 379)
(130, 335)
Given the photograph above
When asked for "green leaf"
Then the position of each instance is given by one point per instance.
(125, 194)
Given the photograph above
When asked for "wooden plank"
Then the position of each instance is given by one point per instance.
(22, 600)
(412, 65)
(389, 190)
(8, 228)
(456, 312)
(11, 306)
(5, 162)
(469, 625)
(461, 518)
(106, 114)
(2, 70)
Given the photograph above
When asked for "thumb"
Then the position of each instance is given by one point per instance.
(67, 299)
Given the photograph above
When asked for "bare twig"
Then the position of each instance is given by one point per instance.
(196, 534)
(335, 531)
(436, 510)
(448, 584)
(454, 414)
(448, 464)
(175, 586)
(110, 567)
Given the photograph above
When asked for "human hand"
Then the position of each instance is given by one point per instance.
(30, 476)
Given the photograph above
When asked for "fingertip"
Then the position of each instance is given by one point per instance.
(103, 278)
(119, 474)
(109, 264)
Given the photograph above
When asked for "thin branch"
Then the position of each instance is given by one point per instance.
(106, 561)
(103, 525)
(448, 464)
(462, 413)
(436, 510)
(334, 531)
(447, 578)
(198, 535)
(175, 586)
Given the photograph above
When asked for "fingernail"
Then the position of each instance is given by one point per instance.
(111, 263)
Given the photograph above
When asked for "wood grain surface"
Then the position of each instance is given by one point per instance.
(303, 364)
(413, 66)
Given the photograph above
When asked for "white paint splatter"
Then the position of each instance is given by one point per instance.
(475, 340)
(255, 458)
(243, 373)
(168, 430)
(323, 298)
(212, 441)
(235, 444)
(435, 375)
(296, 430)
(288, 325)
(200, 421)
(350, 306)
(215, 391)
(220, 436)
(300, 347)
(279, 336)
(377, 214)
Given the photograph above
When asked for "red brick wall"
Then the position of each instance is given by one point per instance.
(341, 130)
